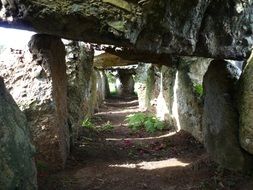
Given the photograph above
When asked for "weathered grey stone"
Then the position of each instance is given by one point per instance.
(154, 86)
(220, 117)
(17, 168)
(100, 88)
(144, 83)
(217, 29)
(79, 70)
(169, 76)
(106, 84)
(189, 94)
(245, 105)
(93, 99)
(127, 82)
(48, 118)
(107, 60)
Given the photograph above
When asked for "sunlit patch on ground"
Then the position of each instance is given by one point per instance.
(144, 138)
(153, 165)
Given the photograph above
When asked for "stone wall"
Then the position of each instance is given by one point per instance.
(221, 118)
(245, 106)
(144, 83)
(189, 94)
(157, 93)
(54, 102)
(38, 83)
(50, 128)
(17, 167)
(79, 71)
(127, 82)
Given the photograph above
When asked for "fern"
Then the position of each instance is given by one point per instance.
(87, 123)
(148, 122)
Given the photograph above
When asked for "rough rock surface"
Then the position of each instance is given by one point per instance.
(38, 84)
(220, 117)
(165, 80)
(96, 92)
(144, 83)
(17, 168)
(50, 128)
(246, 107)
(106, 84)
(107, 60)
(189, 94)
(155, 90)
(219, 29)
(169, 75)
(127, 82)
(79, 70)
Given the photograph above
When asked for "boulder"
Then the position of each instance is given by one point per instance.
(17, 165)
(245, 107)
(38, 83)
(220, 117)
(144, 85)
(127, 82)
(79, 70)
(189, 94)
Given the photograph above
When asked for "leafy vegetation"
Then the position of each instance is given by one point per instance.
(111, 78)
(107, 126)
(87, 123)
(148, 122)
(199, 89)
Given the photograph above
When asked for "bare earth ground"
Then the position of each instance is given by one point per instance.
(116, 158)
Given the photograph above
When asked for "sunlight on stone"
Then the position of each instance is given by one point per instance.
(161, 108)
(239, 7)
(140, 139)
(153, 165)
(175, 104)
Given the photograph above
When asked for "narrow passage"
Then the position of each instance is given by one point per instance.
(110, 156)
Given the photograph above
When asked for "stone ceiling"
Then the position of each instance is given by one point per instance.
(207, 28)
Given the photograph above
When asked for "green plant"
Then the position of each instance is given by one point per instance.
(198, 89)
(111, 78)
(107, 126)
(136, 121)
(148, 122)
(87, 123)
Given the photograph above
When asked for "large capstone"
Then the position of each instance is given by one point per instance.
(246, 107)
(17, 168)
(217, 29)
(220, 117)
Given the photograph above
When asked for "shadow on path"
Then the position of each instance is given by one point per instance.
(120, 159)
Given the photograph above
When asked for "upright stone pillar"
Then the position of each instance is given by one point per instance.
(79, 70)
(220, 117)
(17, 168)
(127, 82)
(49, 120)
(144, 85)
(191, 71)
(106, 84)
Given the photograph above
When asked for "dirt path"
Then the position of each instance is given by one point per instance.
(116, 158)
